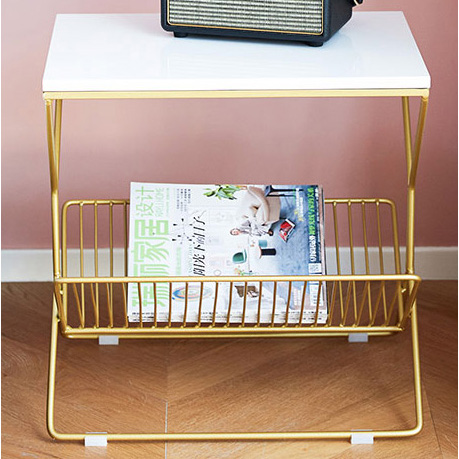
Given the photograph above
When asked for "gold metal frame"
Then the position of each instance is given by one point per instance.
(364, 305)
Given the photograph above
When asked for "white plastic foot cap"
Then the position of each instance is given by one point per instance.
(109, 340)
(96, 439)
(362, 438)
(358, 337)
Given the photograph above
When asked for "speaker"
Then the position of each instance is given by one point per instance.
(309, 21)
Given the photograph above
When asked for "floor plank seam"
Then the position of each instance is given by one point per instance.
(432, 417)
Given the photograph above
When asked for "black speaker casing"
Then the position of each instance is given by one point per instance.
(335, 14)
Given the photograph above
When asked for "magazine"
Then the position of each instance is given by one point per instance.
(226, 230)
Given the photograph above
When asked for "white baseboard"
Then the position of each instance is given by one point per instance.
(36, 265)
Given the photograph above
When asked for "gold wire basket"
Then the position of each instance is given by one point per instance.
(365, 289)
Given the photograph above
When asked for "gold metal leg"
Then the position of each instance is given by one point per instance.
(52, 381)
(53, 129)
(52, 372)
(416, 371)
(412, 166)
(412, 161)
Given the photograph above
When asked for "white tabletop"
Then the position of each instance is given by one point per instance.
(131, 52)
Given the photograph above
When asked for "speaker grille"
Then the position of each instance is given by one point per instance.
(297, 16)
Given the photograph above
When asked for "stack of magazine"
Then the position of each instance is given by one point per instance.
(226, 230)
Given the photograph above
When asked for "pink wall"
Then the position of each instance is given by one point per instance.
(353, 147)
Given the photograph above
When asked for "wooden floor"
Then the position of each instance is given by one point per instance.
(228, 385)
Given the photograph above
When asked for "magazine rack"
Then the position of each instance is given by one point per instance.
(365, 297)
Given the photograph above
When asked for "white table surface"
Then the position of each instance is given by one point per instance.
(131, 52)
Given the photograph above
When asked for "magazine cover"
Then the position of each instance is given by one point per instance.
(232, 230)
